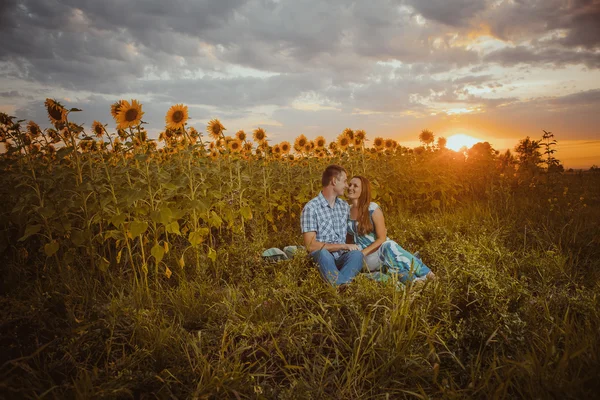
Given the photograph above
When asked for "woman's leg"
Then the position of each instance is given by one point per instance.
(401, 262)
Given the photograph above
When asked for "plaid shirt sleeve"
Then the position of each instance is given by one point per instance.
(308, 219)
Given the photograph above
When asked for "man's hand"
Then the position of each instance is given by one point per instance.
(351, 246)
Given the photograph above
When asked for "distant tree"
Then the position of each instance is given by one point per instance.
(426, 137)
(481, 152)
(529, 156)
(506, 161)
(480, 167)
(441, 143)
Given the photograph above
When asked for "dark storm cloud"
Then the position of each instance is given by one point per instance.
(519, 20)
(12, 93)
(556, 57)
(587, 98)
(449, 12)
(240, 92)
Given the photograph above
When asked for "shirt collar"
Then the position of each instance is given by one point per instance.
(323, 201)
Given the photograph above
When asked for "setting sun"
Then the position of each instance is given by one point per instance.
(456, 142)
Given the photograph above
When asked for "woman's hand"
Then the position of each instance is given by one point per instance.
(351, 246)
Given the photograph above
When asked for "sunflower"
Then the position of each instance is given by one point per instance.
(259, 135)
(193, 132)
(33, 129)
(307, 148)
(176, 117)
(349, 133)
(114, 109)
(285, 147)
(343, 141)
(248, 147)
(378, 143)
(361, 134)
(234, 145)
(320, 142)
(129, 115)
(389, 144)
(98, 129)
(213, 154)
(300, 143)
(241, 135)
(215, 128)
(56, 112)
(357, 141)
(276, 150)
(332, 146)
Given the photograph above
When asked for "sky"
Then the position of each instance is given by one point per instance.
(497, 70)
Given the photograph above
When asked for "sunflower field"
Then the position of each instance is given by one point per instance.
(132, 267)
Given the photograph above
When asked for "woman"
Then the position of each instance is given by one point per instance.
(367, 225)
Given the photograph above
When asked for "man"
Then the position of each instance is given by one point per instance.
(323, 222)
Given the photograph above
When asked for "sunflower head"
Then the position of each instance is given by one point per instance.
(300, 142)
(361, 134)
(176, 117)
(213, 154)
(357, 142)
(114, 109)
(234, 145)
(193, 132)
(343, 142)
(285, 147)
(240, 135)
(389, 144)
(33, 129)
(259, 135)
(332, 146)
(56, 112)
(276, 149)
(307, 148)
(129, 115)
(98, 129)
(378, 143)
(349, 133)
(247, 147)
(320, 142)
(215, 129)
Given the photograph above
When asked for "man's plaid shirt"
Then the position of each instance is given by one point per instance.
(329, 223)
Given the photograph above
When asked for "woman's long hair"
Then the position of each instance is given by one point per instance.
(364, 218)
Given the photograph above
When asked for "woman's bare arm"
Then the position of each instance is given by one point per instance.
(380, 232)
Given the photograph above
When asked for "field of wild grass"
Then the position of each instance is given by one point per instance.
(131, 270)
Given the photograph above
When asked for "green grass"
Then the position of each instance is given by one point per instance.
(509, 316)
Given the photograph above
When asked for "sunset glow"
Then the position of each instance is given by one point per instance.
(456, 142)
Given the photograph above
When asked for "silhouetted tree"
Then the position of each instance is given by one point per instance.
(441, 143)
(529, 156)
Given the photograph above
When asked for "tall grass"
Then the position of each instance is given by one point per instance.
(503, 320)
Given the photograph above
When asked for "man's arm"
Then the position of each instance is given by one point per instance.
(311, 244)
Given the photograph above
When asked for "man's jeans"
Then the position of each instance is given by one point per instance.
(350, 263)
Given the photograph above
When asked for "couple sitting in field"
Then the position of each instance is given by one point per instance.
(327, 221)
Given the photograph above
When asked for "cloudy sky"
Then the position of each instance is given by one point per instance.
(498, 70)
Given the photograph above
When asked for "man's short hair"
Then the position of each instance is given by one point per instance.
(332, 171)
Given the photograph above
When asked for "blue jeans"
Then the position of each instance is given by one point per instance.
(341, 270)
